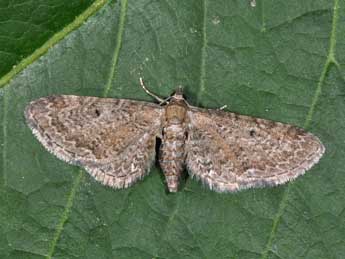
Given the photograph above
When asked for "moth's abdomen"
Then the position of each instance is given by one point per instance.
(172, 156)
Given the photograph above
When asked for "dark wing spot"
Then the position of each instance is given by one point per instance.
(97, 112)
(252, 133)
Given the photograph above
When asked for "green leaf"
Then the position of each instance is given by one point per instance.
(26, 25)
(281, 60)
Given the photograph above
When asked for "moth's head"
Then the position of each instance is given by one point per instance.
(178, 95)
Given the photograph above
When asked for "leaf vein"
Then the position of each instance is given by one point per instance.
(76, 183)
(4, 132)
(329, 60)
(203, 54)
(52, 41)
(65, 214)
(117, 49)
(263, 22)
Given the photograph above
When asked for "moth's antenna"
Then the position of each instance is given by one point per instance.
(150, 93)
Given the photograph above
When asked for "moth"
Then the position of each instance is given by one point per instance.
(115, 141)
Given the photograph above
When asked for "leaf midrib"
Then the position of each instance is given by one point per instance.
(56, 38)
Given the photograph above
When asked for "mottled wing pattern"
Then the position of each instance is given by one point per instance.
(113, 139)
(229, 152)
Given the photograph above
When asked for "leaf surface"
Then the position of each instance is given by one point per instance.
(281, 60)
(26, 25)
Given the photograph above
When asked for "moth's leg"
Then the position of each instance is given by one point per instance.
(222, 108)
(218, 109)
(160, 100)
(166, 100)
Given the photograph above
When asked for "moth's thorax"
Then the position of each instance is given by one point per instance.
(176, 110)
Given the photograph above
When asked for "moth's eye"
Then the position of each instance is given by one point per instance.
(252, 133)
